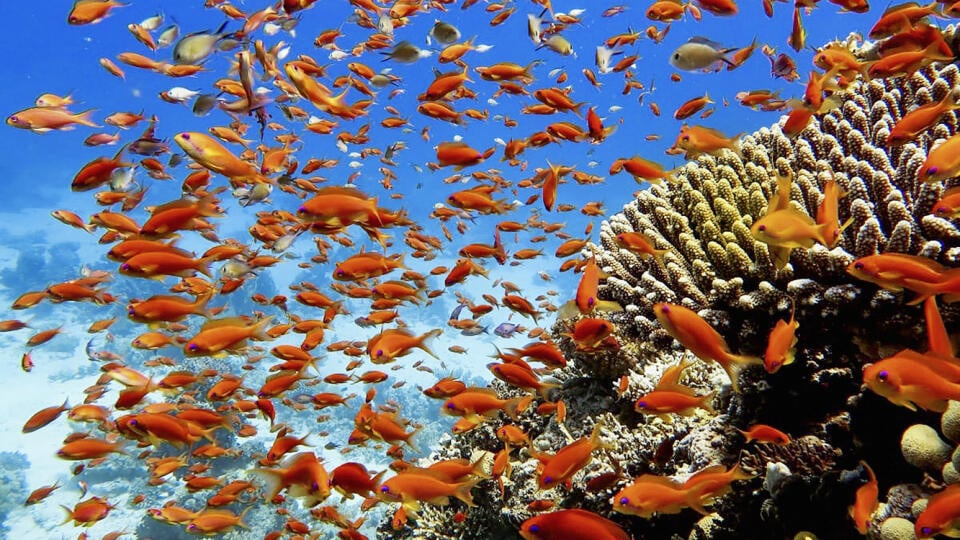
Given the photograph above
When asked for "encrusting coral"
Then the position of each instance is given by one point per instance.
(703, 216)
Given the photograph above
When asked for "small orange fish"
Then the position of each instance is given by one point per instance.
(914, 380)
(865, 501)
(701, 339)
(43, 417)
(781, 342)
(765, 434)
(942, 514)
(921, 119)
(694, 140)
(560, 467)
(86, 513)
(44, 119)
(571, 524)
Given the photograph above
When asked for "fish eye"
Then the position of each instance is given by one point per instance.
(193, 346)
(384, 489)
(185, 136)
(379, 352)
(858, 265)
(926, 531)
(315, 486)
(624, 500)
(548, 480)
(641, 404)
(882, 376)
(676, 56)
(534, 528)
(451, 406)
(762, 228)
(931, 170)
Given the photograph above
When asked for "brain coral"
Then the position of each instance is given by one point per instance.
(715, 266)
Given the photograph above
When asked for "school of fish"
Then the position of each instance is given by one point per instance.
(273, 80)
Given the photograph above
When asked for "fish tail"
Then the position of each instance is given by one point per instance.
(421, 343)
(462, 491)
(259, 330)
(733, 364)
(272, 480)
(85, 119)
(515, 406)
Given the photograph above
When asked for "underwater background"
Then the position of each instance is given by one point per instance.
(284, 235)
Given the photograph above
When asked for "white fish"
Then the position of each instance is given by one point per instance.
(482, 48)
(534, 28)
(385, 24)
(338, 55)
(559, 45)
(180, 93)
(577, 12)
(603, 57)
(699, 53)
(193, 49)
(152, 23)
(500, 141)
(168, 36)
(614, 108)
(271, 28)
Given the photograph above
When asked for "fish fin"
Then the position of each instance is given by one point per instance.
(462, 491)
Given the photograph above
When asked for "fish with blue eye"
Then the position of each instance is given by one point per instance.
(506, 329)
(475, 331)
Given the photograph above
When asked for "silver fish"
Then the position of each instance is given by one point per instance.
(405, 52)
(194, 48)
(168, 36)
(444, 33)
(204, 104)
(699, 53)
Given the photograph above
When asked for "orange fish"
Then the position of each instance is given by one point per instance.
(701, 339)
(473, 403)
(44, 119)
(765, 434)
(43, 417)
(941, 516)
(641, 169)
(89, 449)
(678, 400)
(913, 380)
(410, 488)
(396, 342)
(225, 335)
(213, 156)
(921, 119)
(781, 342)
(571, 524)
(460, 155)
(865, 501)
(640, 244)
(86, 513)
(694, 140)
(560, 467)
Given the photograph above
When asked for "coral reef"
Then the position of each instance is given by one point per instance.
(715, 266)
